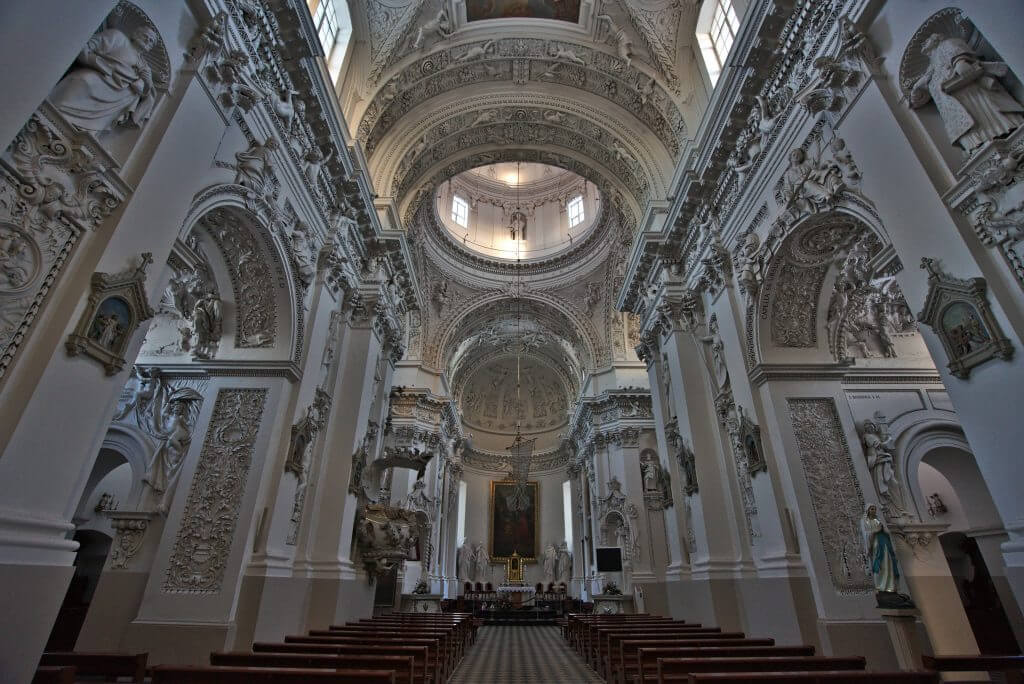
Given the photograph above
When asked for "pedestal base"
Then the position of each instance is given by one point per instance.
(902, 626)
(612, 604)
(421, 603)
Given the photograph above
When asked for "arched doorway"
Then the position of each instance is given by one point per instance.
(949, 489)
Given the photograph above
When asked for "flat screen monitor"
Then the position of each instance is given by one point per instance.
(609, 559)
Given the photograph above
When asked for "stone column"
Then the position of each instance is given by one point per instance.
(192, 602)
(717, 525)
(338, 588)
(931, 585)
(879, 131)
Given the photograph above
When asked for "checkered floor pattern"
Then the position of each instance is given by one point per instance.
(503, 655)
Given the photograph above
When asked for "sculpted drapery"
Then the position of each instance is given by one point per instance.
(975, 107)
(881, 555)
(110, 83)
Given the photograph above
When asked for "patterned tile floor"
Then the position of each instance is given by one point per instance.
(506, 655)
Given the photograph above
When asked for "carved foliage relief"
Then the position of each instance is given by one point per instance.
(835, 493)
(251, 277)
(211, 511)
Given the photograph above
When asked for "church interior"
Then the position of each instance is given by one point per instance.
(512, 340)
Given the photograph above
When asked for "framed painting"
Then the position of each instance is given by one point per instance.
(958, 311)
(564, 10)
(513, 530)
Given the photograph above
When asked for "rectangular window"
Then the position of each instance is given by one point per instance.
(575, 209)
(460, 526)
(717, 36)
(326, 21)
(567, 511)
(460, 211)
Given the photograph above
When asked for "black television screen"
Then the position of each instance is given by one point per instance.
(609, 559)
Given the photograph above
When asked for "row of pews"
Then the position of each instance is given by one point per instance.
(401, 648)
(638, 649)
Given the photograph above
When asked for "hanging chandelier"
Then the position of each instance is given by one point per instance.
(520, 452)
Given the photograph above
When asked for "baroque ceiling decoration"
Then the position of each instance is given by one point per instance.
(623, 154)
(522, 60)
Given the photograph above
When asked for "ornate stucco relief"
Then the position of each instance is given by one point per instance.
(207, 529)
(835, 493)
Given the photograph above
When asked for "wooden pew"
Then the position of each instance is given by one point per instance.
(647, 656)
(198, 674)
(460, 635)
(423, 674)
(589, 630)
(99, 664)
(1012, 665)
(435, 662)
(622, 659)
(816, 677)
(465, 626)
(402, 666)
(445, 638)
(54, 674)
(680, 669)
(606, 655)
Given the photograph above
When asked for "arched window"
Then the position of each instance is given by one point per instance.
(460, 211)
(567, 511)
(460, 525)
(717, 26)
(575, 210)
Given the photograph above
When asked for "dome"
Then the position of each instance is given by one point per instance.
(518, 210)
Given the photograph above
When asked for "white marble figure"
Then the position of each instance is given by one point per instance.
(481, 562)
(564, 564)
(878, 448)
(110, 83)
(881, 556)
(550, 563)
(303, 253)
(973, 105)
(748, 276)
(255, 165)
(163, 472)
(440, 25)
(16, 261)
(650, 473)
(567, 54)
(314, 162)
(465, 565)
(810, 184)
(207, 319)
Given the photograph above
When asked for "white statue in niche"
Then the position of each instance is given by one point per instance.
(973, 104)
(650, 473)
(481, 562)
(110, 83)
(207, 319)
(550, 563)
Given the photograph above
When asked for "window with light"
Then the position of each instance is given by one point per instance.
(575, 209)
(567, 512)
(325, 18)
(460, 522)
(716, 32)
(460, 211)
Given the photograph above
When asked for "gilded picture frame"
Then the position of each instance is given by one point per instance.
(514, 531)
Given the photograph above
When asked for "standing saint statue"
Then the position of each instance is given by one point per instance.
(175, 430)
(564, 564)
(973, 105)
(550, 563)
(878, 452)
(885, 568)
(110, 82)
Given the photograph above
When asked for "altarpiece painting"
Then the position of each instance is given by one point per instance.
(513, 528)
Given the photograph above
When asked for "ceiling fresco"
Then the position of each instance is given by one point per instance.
(565, 10)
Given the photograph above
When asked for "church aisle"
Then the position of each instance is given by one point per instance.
(503, 655)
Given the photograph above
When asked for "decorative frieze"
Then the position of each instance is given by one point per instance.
(207, 530)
